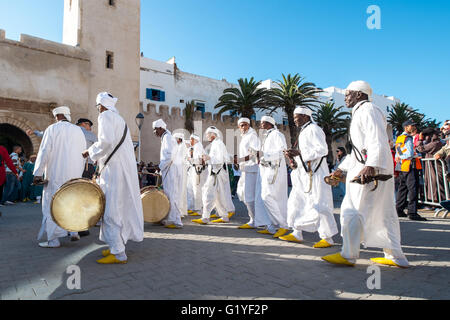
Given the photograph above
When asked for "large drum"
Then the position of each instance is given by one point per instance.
(155, 204)
(78, 205)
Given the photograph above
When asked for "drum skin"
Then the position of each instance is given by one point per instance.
(155, 204)
(78, 205)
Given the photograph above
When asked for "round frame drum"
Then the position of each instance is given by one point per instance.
(155, 204)
(78, 205)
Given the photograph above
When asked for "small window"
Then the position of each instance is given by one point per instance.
(200, 107)
(155, 95)
(112, 3)
(109, 60)
(285, 121)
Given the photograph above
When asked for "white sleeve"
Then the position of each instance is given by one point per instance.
(104, 145)
(44, 153)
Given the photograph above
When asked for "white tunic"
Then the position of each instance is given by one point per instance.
(375, 209)
(182, 159)
(273, 179)
(312, 211)
(216, 191)
(249, 169)
(197, 181)
(59, 159)
(172, 174)
(123, 219)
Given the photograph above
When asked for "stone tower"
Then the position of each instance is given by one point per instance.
(109, 31)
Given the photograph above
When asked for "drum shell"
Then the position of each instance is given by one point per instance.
(155, 204)
(78, 205)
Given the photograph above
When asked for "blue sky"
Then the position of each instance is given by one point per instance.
(325, 41)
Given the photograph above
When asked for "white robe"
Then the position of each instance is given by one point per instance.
(370, 217)
(311, 211)
(216, 192)
(123, 219)
(246, 187)
(274, 193)
(172, 174)
(182, 159)
(197, 181)
(59, 159)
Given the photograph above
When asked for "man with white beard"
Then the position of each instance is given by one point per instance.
(59, 160)
(182, 159)
(171, 173)
(273, 177)
(217, 186)
(248, 148)
(368, 216)
(197, 174)
(310, 204)
(117, 176)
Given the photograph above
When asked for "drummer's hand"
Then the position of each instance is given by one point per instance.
(338, 173)
(37, 179)
(291, 153)
(366, 172)
(85, 154)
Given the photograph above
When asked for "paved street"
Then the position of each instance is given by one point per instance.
(215, 262)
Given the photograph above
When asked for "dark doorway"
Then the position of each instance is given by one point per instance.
(11, 135)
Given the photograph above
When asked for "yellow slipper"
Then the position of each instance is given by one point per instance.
(337, 259)
(219, 221)
(280, 232)
(322, 244)
(106, 252)
(265, 231)
(230, 214)
(194, 214)
(387, 262)
(290, 238)
(246, 226)
(214, 216)
(172, 226)
(199, 221)
(111, 259)
(190, 211)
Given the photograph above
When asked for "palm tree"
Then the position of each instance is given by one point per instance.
(242, 101)
(189, 116)
(399, 113)
(334, 122)
(293, 92)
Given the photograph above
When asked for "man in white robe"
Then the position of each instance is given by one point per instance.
(171, 174)
(59, 160)
(246, 189)
(310, 204)
(182, 159)
(217, 186)
(273, 178)
(123, 219)
(198, 173)
(367, 216)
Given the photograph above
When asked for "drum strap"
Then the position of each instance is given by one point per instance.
(97, 172)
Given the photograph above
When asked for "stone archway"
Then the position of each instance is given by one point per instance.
(15, 127)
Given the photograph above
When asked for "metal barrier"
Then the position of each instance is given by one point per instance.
(436, 187)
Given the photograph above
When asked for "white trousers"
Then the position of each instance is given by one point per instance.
(215, 194)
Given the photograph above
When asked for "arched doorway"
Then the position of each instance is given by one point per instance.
(11, 135)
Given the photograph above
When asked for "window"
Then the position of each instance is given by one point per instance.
(285, 121)
(200, 107)
(112, 3)
(155, 95)
(109, 60)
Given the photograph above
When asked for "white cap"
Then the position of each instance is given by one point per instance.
(213, 130)
(107, 100)
(268, 119)
(62, 110)
(303, 110)
(362, 86)
(243, 120)
(178, 135)
(159, 124)
(195, 137)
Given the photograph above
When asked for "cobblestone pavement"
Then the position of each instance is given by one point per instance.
(215, 262)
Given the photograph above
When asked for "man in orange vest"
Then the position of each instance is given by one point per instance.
(409, 164)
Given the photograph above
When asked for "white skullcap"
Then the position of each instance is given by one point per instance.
(195, 137)
(178, 135)
(362, 86)
(62, 110)
(159, 124)
(268, 119)
(213, 130)
(303, 110)
(243, 120)
(107, 100)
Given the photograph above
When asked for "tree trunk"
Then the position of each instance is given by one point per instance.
(292, 129)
